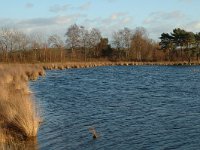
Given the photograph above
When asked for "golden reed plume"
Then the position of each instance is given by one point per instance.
(19, 118)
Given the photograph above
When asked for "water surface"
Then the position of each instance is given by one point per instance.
(133, 107)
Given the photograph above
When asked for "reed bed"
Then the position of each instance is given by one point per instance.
(19, 118)
(68, 65)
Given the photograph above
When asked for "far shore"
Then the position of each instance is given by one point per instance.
(83, 64)
(68, 65)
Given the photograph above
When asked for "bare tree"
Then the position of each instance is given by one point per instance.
(117, 40)
(13, 40)
(122, 41)
(38, 40)
(23, 41)
(84, 40)
(138, 42)
(55, 41)
(127, 37)
(6, 39)
(38, 43)
(73, 37)
(94, 40)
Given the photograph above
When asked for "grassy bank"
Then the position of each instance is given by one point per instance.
(68, 65)
(19, 118)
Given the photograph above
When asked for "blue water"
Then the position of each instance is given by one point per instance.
(133, 107)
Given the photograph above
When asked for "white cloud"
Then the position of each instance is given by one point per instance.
(156, 23)
(126, 20)
(109, 24)
(119, 18)
(116, 16)
(156, 30)
(160, 16)
(193, 26)
(159, 22)
(41, 24)
(56, 20)
(85, 6)
(59, 8)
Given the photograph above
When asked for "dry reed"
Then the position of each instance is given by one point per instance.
(69, 65)
(19, 118)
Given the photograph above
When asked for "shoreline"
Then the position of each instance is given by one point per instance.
(82, 64)
(68, 65)
(19, 116)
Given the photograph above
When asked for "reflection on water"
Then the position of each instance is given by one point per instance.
(133, 107)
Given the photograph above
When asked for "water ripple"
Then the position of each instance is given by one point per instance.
(139, 107)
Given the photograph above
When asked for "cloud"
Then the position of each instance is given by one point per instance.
(50, 24)
(59, 8)
(56, 20)
(29, 5)
(159, 22)
(5, 21)
(156, 23)
(193, 26)
(107, 25)
(85, 6)
(116, 16)
(119, 18)
(160, 16)
(155, 31)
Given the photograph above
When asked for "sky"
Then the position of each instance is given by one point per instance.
(55, 16)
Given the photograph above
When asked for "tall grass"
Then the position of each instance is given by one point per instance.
(19, 118)
(68, 65)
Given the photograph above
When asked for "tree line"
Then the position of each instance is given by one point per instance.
(181, 45)
(82, 44)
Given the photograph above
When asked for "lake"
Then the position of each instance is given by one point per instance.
(130, 107)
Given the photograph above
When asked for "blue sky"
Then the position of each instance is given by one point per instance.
(55, 16)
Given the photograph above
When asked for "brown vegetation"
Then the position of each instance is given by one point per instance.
(19, 118)
(87, 45)
(68, 65)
